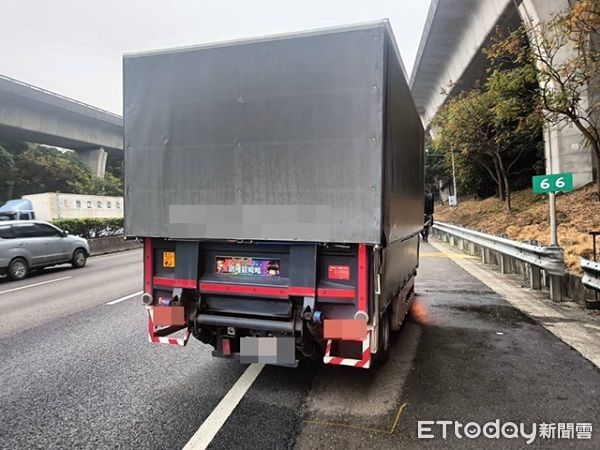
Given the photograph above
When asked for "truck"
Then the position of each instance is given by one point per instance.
(17, 209)
(277, 184)
(49, 206)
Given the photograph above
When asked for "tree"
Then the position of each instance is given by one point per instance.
(564, 50)
(31, 169)
(46, 169)
(114, 165)
(435, 168)
(7, 165)
(109, 185)
(492, 126)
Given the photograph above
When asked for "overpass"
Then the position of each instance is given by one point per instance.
(450, 60)
(31, 114)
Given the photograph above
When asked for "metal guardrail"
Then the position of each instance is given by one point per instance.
(538, 259)
(591, 274)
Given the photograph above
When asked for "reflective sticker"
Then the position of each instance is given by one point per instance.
(168, 259)
(338, 272)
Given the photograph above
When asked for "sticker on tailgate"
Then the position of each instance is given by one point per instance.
(168, 259)
(235, 265)
(338, 272)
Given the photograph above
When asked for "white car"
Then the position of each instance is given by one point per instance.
(33, 244)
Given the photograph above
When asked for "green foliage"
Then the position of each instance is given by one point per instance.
(115, 165)
(7, 164)
(32, 169)
(435, 167)
(492, 130)
(42, 169)
(564, 50)
(109, 185)
(91, 227)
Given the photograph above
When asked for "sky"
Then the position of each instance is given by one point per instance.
(75, 47)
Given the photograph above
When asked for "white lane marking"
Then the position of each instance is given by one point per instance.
(34, 285)
(213, 423)
(122, 299)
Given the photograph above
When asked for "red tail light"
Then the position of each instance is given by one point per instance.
(226, 346)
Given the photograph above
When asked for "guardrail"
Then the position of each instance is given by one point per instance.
(591, 274)
(543, 265)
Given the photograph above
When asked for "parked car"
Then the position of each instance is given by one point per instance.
(33, 244)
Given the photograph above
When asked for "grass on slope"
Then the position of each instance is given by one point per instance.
(578, 213)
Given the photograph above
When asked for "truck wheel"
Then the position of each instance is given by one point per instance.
(79, 258)
(383, 352)
(17, 269)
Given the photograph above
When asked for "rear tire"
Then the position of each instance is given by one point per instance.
(79, 258)
(385, 331)
(17, 269)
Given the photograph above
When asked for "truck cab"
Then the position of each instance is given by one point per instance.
(17, 209)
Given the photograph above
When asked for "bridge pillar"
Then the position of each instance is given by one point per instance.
(564, 144)
(95, 160)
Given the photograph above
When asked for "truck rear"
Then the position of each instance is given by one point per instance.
(277, 184)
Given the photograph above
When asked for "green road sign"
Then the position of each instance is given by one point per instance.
(560, 182)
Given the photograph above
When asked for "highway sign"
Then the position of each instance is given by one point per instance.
(560, 182)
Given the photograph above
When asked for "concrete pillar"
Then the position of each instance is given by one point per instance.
(564, 144)
(95, 159)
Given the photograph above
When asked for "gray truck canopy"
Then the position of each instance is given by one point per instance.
(309, 137)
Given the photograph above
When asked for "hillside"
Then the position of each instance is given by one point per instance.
(578, 213)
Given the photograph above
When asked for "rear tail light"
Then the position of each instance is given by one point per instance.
(226, 346)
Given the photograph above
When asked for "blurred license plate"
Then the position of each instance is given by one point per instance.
(268, 350)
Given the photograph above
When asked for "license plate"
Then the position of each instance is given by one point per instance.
(168, 259)
(258, 267)
(268, 350)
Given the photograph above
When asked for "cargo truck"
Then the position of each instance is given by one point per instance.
(277, 185)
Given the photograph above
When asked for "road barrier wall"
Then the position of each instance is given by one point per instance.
(111, 244)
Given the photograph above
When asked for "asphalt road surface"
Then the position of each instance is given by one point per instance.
(77, 371)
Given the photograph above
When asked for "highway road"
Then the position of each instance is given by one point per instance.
(77, 371)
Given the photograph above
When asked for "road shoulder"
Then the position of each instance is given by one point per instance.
(571, 324)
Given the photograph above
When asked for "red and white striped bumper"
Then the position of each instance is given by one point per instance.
(158, 335)
(364, 363)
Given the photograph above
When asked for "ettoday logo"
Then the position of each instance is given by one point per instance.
(434, 429)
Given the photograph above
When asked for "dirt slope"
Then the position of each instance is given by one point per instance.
(578, 213)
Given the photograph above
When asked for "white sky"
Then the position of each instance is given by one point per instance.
(74, 47)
